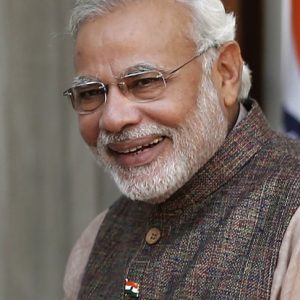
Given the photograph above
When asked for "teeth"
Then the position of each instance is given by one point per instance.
(132, 150)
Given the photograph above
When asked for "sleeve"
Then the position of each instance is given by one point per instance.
(286, 280)
(79, 258)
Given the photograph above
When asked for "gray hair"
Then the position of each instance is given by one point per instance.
(211, 26)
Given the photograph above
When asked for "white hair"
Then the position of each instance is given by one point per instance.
(211, 26)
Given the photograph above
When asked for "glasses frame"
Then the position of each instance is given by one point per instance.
(122, 85)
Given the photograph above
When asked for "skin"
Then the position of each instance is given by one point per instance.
(107, 46)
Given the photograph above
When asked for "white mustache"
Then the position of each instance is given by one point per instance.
(106, 138)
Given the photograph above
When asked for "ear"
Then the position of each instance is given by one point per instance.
(229, 72)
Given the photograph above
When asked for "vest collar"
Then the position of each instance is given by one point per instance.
(242, 143)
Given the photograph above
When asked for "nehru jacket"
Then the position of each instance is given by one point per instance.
(220, 236)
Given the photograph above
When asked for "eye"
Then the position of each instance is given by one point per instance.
(89, 97)
(91, 93)
(145, 86)
(145, 82)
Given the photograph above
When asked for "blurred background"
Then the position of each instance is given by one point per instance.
(50, 187)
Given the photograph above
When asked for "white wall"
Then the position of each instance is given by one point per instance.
(49, 185)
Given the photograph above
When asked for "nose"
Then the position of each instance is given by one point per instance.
(118, 112)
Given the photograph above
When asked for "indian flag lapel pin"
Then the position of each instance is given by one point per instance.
(131, 289)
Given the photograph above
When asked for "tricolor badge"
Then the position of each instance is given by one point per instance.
(131, 289)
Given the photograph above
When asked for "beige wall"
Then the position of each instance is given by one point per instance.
(49, 185)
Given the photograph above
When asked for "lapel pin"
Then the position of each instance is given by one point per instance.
(131, 289)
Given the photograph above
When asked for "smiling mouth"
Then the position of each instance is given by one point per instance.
(140, 148)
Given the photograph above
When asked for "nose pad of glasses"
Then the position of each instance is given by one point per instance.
(123, 87)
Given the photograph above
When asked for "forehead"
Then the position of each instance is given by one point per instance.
(144, 31)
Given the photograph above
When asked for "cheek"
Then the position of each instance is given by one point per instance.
(89, 128)
(169, 114)
(175, 109)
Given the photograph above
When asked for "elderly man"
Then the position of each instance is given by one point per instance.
(211, 193)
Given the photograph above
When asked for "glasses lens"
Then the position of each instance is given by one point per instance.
(145, 86)
(87, 97)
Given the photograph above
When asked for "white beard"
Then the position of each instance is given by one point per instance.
(193, 143)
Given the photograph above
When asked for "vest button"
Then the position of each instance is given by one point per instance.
(153, 236)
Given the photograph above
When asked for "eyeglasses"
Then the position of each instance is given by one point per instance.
(145, 86)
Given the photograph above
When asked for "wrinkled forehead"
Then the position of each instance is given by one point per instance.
(145, 25)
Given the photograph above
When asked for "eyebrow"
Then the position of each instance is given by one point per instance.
(138, 68)
(83, 79)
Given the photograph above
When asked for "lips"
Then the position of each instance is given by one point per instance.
(141, 147)
(137, 152)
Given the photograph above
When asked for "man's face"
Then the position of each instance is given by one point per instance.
(150, 148)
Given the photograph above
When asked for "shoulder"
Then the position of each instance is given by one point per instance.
(274, 153)
(280, 155)
(287, 274)
(284, 154)
(79, 257)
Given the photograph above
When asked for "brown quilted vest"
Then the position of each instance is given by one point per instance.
(220, 233)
